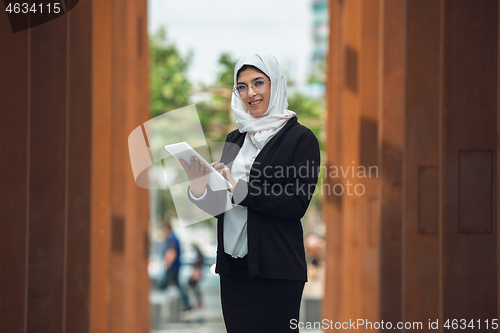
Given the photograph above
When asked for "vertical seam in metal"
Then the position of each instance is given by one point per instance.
(66, 178)
(28, 159)
(440, 153)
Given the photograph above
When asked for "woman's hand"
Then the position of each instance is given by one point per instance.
(197, 174)
(224, 171)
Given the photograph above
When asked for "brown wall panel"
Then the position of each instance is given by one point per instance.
(14, 127)
(469, 106)
(48, 172)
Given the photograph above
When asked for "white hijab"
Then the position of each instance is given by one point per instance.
(262, 129)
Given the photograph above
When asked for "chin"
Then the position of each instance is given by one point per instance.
(257, 114)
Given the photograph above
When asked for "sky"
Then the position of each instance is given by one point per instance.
(209, 28)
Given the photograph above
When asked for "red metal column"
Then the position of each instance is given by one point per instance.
(421, 163)
(351, 291)
(390, 160)
(118, 177)
(79, 159)
(48, 174)
(332, 301)
(14, 136)
(366, 195)
(142, 112)
(468, 243)
(102, 60)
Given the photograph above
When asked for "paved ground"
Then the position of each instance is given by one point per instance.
(207, 320)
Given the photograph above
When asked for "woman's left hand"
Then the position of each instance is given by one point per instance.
(225, 172)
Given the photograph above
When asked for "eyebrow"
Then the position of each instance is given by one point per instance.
(257, 78)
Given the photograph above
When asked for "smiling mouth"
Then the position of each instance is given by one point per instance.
(254, 104)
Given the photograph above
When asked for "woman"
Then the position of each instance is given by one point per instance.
(272, 162)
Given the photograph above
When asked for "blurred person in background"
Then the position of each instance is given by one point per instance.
(314, 253)
(260, 245)
(172, 263)
(197, 275)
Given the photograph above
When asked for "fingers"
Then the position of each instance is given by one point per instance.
(184, 165)
(218, 166)
(197, 165)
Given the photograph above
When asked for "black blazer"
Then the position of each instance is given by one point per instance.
(282, 180)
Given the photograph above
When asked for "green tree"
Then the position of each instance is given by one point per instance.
(309, 112)
(170, 88)
(215, 113)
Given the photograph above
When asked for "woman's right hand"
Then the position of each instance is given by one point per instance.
(197, 174)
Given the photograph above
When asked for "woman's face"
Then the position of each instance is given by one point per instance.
(256, 104)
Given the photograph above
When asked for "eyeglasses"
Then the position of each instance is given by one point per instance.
(259, 86)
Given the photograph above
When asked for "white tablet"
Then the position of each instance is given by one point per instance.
(184, 151)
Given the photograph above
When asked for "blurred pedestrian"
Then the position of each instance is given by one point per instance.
(172, 263)
(197, 275)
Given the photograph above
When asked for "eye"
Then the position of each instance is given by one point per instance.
(259, 84)
(241, 88)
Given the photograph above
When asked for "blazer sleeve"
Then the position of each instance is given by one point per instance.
(291, 200)
(213, 203)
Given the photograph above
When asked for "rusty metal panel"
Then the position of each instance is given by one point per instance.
(142, 311)
(475, 191)
(392, 102)
(373, 222)
(421, 251)
(468, 118)
(351, 68)
(79, 170)
(47, 173)
(332, 300)
(101, 75)
(428, 200)
(14, 184)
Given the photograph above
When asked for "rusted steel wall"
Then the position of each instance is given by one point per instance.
(421, 160)
(412, 88)
(75, 226)
(467, 141)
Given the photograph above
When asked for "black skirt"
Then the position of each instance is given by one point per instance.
(258, 305)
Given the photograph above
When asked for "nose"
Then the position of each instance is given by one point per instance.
(251, 92)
